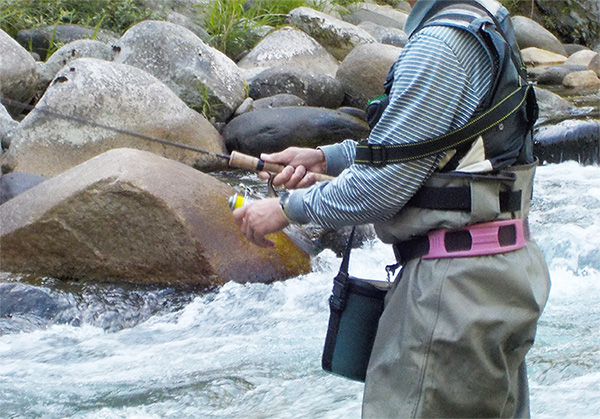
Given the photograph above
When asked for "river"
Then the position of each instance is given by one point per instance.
(253, 351)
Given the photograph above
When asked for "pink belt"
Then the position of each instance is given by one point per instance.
(476, 240)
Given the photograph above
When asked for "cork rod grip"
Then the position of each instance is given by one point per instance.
(244, 161)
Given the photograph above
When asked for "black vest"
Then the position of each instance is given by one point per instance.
(504, 117)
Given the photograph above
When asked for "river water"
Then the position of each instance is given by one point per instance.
(253, 351)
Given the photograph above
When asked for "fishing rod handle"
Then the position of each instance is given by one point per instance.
(244, 161)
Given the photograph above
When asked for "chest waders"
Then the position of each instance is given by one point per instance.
(457, 324)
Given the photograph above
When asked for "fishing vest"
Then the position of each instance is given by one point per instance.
(488, 170)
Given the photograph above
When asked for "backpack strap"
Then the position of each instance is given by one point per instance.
(380, 155)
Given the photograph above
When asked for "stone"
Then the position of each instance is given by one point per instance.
(18, 75)
(132, 216)
(288, 47)
(270, 130)
(116, 95)
(529, 33)
(316, 89)
(535, 57)
(363, 72)
(335, 35)
(581, 79)
(203, 77)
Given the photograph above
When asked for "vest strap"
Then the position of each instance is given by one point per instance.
(380, 155)
(458, 198)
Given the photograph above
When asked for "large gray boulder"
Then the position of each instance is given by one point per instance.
(129, 215)
(115, 95)
(77, 49)
(270, 130)
(385, 16)
(18, 74)
(335, 35)
(316, 89)
(200, 75)
(288, 47)
(529, 33)
(363, 71)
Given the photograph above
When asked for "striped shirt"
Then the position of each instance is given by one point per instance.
(439, 80)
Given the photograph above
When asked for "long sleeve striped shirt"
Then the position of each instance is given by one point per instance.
(439, 80)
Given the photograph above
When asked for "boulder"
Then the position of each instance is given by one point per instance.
(8, 126)
(385, 16)
(39, 39)
(552, 106)
(529, 33)
(572, 139)
(115, 95)
(288, 47)
(554, 75)
(67, 53)
(582, 80)
(18, 74)
(583, 57)
(277, 101)
(363, 72)
(13, 184)
(130, 215)
(316, 89)
(270, 130)
(573, 21)
(383, 35)
(594, 65)
(535, 57)
(335, 35)
(203, 77)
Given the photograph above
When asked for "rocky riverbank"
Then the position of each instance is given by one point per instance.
(83, 201)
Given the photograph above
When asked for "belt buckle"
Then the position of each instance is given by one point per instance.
(485, 240)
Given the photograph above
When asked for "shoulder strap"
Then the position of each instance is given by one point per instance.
(337, 299)
(380, 155)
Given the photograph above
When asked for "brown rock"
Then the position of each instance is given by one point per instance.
(129, 215)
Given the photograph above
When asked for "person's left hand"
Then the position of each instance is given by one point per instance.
(259, 218)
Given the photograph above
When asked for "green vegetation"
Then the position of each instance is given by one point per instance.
(115, 16)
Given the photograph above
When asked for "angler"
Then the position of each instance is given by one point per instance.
(446, 176)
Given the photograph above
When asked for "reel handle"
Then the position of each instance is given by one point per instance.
(244, 161)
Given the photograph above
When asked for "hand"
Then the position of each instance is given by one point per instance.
(298, 162)
(259, 218)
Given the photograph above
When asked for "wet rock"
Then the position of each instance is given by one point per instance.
(363, 72)
(315, 89)
(13, 184)
(19, 299)
(18, 74)
(196, 72)
(115, 95)
(335, 35)
(270, 130)
(577, 140)
(288, 47)
(129, 215)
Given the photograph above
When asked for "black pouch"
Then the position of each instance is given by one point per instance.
(355, 308)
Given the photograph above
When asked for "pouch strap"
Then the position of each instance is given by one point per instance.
(337, 299)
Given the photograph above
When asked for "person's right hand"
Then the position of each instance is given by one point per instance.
(300, 164)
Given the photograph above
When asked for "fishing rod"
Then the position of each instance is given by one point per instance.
(235, 159)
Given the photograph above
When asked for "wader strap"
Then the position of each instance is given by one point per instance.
(380, 155)
(458, 198)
